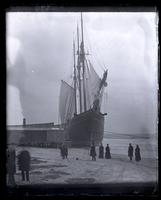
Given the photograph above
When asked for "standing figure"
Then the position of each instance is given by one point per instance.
(65, 151)
(11, 164)
(107, 153)
(130, 151)
(24, 160)
(62, 151)
(137, 153)
(101, 151)
(93, 152)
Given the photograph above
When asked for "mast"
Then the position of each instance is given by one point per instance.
(75, 89)
(79, 67)
(83, 64)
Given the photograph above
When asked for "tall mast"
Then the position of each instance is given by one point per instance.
(79, 67)
(75, 89)
(83, 63)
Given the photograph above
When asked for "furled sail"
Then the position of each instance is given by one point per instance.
(92, 85)
(66, 102)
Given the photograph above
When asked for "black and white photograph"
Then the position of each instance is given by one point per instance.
(82, 98)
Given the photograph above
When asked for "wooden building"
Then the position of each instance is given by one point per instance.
(40, 135)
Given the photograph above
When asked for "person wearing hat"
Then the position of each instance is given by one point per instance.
(130, 151)
(107, 153)
(137, 153)
(101, 151)
(93, 152)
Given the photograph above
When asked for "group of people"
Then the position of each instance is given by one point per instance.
(24, 160)
(107, 154)
(93, 153)
(137, 152)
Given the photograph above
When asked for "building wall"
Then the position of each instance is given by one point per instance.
(14, 136)
(34, 137)
(55, 136)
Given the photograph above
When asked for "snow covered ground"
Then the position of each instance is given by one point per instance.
(47, 165)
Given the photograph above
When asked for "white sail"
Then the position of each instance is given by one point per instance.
(66, 102)
(104, 102)
(92, 85)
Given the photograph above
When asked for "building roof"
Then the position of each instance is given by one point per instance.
(35, 127)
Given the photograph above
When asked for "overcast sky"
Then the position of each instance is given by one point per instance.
(39, 55)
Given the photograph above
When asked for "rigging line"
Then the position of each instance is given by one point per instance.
(102, 65)
(78, 94)
(68, 98)
(67, 84)
(90, 92)
(88, 41)
(69, 109)
(98, 59)
(59, 117)
(89, 71)
(69, 112)
(88, 88)
(87, 64)
(87, 38)
(98, 49)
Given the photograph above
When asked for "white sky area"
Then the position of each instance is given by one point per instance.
(39, 56)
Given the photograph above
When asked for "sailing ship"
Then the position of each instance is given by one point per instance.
(80, 103)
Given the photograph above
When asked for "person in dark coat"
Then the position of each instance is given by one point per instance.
(62, 151)
(107, 153)
(65, 151)
(130, 151)
(93, 152)
(24, 160)
(137, 153)
(11, 164)
(101, 151)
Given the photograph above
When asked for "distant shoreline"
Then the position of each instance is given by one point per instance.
(127, 136)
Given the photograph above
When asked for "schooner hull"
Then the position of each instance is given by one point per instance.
(85, 128)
